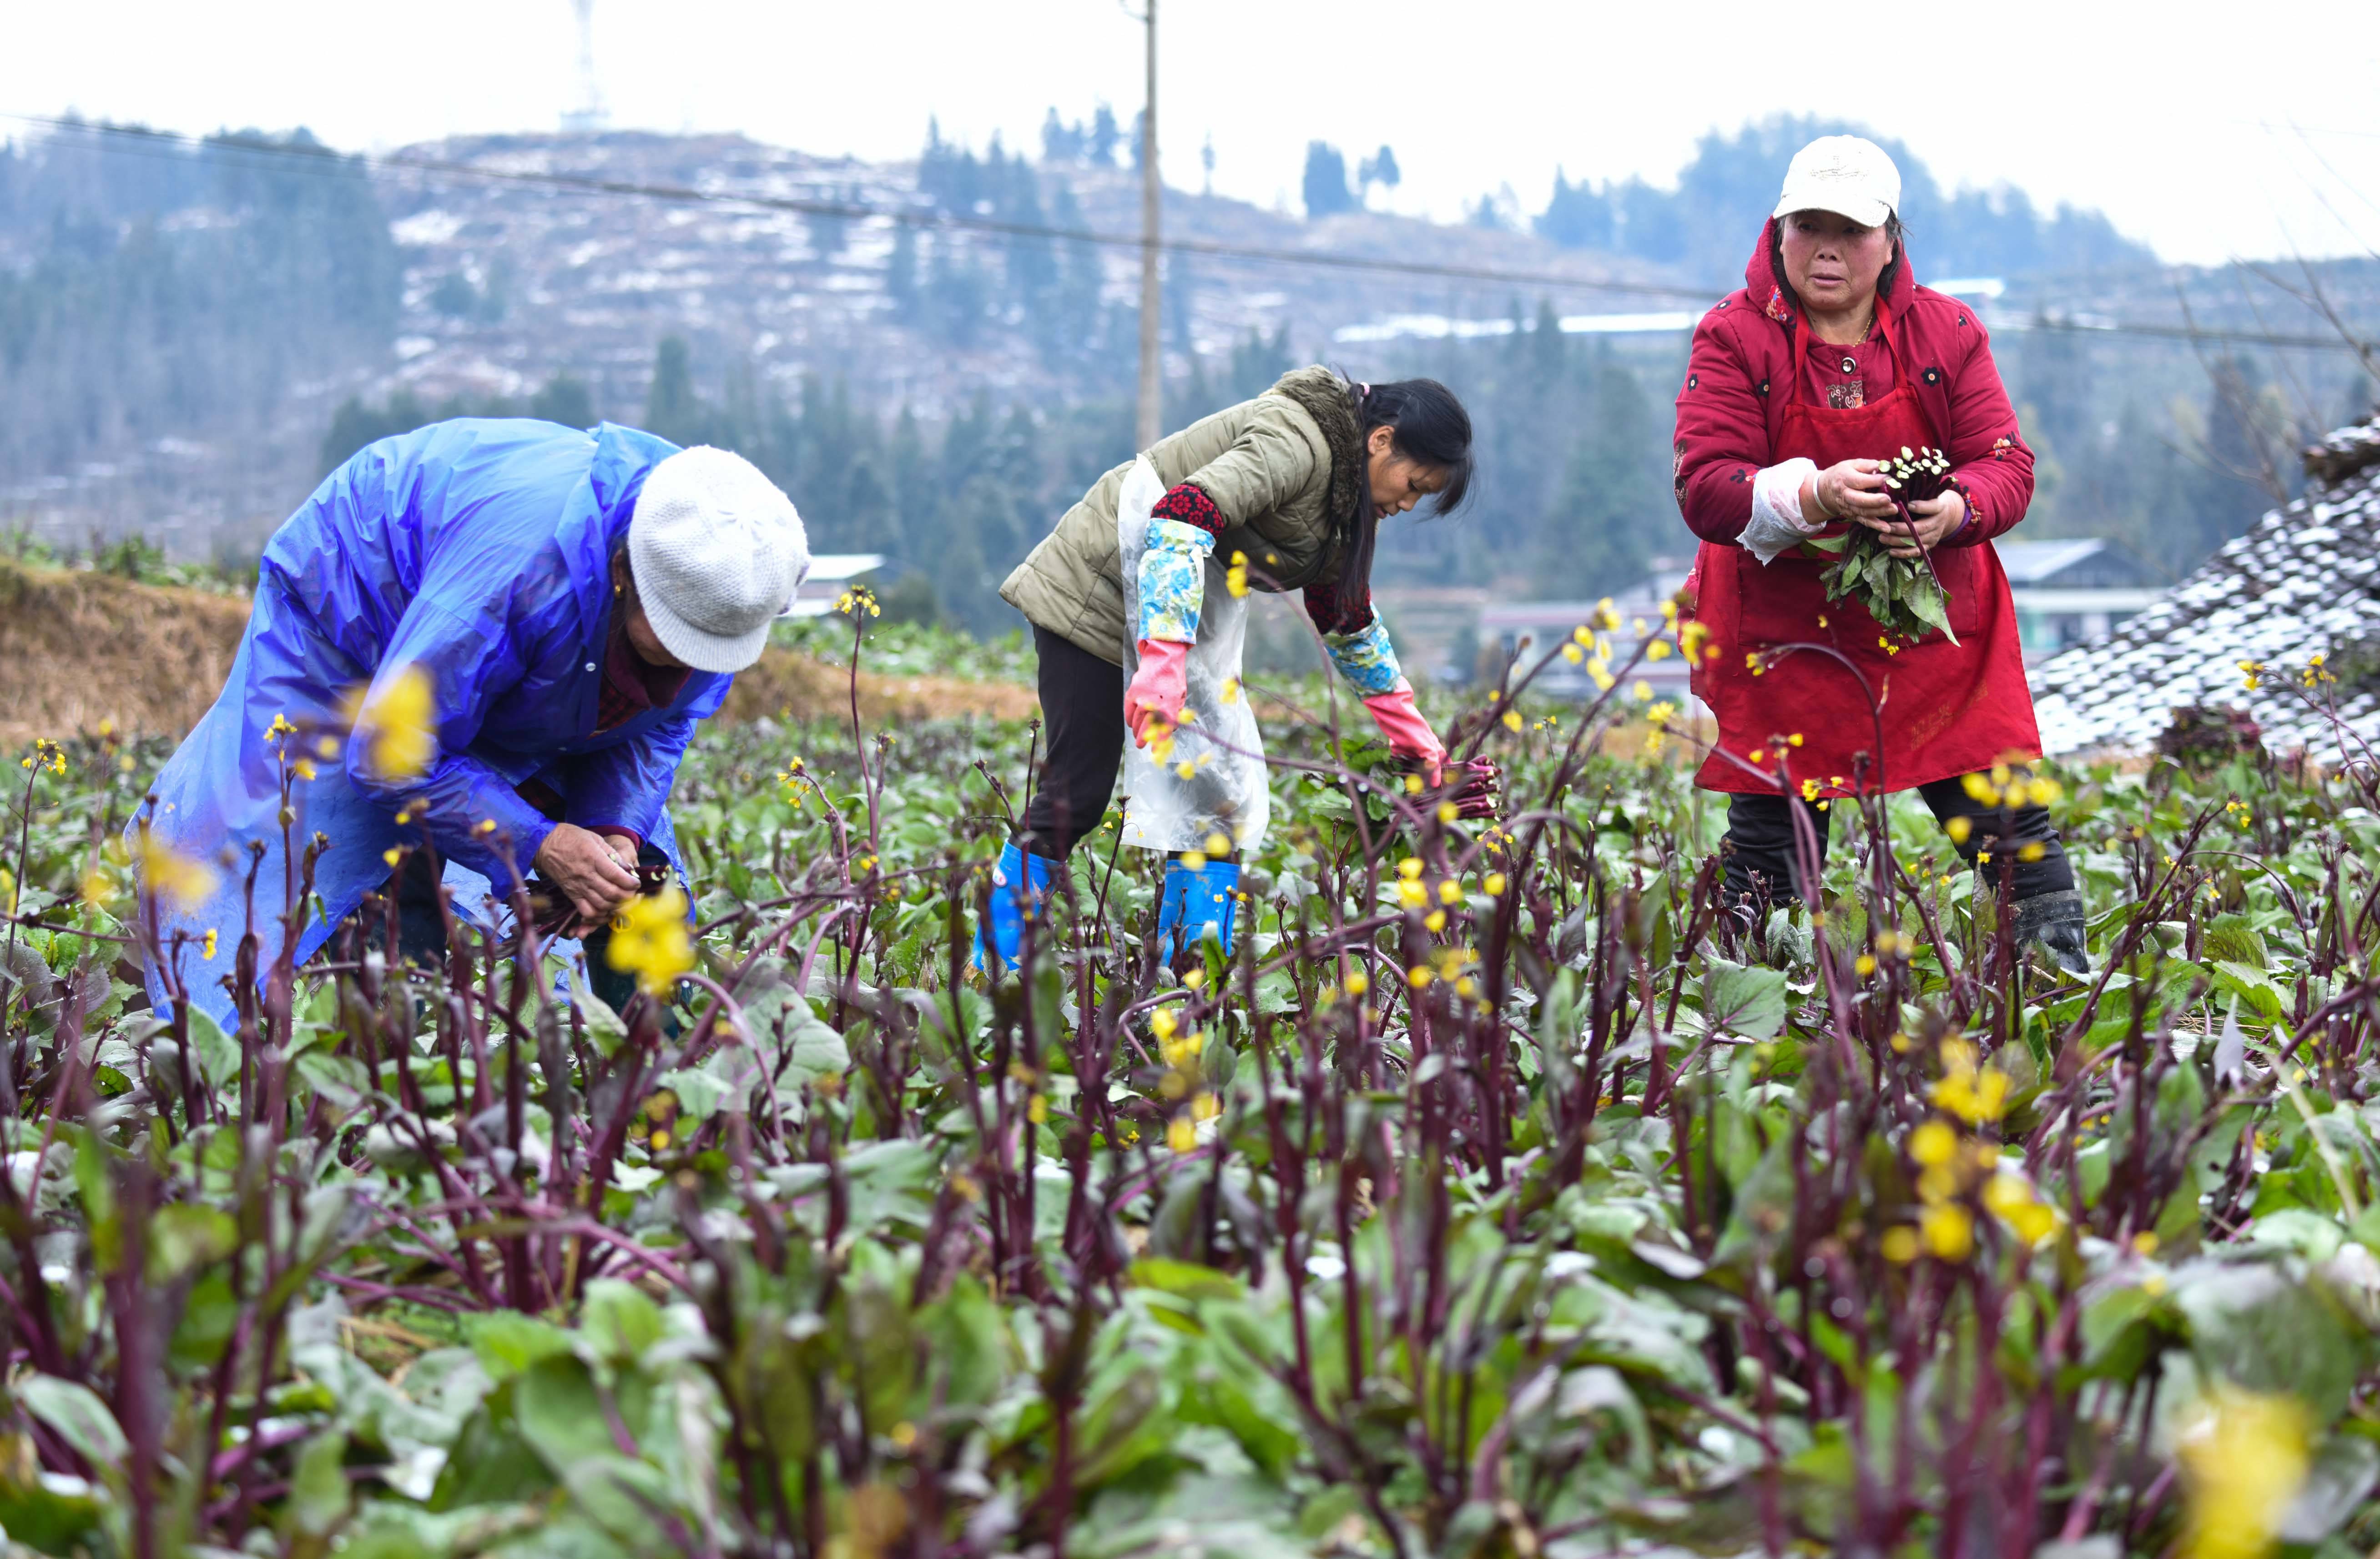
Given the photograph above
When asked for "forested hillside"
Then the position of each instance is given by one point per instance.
(191, 333)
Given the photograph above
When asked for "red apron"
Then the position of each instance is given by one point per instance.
(1947, 710)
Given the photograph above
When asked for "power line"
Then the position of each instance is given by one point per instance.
(2182, 332)
(152, 142)
(922, 218)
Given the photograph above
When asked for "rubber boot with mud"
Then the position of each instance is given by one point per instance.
(2054, 924)
(1020, 885)
(1196, 903)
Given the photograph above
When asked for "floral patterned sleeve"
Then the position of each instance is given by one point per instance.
(1365, 657)
(1173, 580)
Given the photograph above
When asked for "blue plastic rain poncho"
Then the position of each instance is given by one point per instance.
(480, 552)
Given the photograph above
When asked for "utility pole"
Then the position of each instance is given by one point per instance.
(1152, 188)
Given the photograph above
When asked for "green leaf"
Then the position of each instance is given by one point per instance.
(619, 1321)
(2254, 1326)
(81, 1420)
(2335, 1487)
(780, 1026)
(508, 1342)
(605, 1031)
(1743, 1000)
(50, 1514)
(319, 1492)
(186, 1236)
(2253, 986)
(561, 1415)
(1187, 1279)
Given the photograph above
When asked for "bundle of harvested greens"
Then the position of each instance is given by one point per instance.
(1904, 594)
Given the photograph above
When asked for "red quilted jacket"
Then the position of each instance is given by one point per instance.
(1741, 372)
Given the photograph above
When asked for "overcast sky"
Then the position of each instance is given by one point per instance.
(2210, 130)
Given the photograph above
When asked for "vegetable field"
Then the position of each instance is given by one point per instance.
(1497, 1199)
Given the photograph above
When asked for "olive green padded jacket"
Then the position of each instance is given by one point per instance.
(1276, 476)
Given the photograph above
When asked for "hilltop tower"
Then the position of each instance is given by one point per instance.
(590, 115)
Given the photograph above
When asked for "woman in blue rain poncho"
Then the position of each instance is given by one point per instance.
(534, 617)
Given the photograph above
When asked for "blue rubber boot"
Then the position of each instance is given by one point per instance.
(1196, 905)
(1017, 875)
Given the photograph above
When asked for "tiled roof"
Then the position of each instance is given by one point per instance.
(2029, 562)
(2304, 581)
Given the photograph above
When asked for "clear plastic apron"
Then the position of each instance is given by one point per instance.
(1213, 782)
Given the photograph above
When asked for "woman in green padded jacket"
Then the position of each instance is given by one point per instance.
(1290, 486)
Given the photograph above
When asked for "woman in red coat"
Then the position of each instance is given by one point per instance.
(1831, 357)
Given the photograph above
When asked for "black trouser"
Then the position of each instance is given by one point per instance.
(1082, 715)
(1761, 854)
(421, 926)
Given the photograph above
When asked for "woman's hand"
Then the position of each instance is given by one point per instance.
(1409, 734)
(1158, 688)
(1852, 489)
(587, 868)
(1935, 518)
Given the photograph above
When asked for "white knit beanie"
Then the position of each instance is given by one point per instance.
(716, 552)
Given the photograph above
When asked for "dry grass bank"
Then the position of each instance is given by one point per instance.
(77, 649)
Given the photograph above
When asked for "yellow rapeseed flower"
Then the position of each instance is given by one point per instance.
(1973, 1094)
(1181, 1135)
(1960, 829)
(649, 939)
(1948, 1232)
(173, 876)
(1933, 1143)
(2011, 1199)
(398, 719)
(2245, 1458)
(1494, 885)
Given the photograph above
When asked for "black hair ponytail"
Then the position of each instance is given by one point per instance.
(1429, 425)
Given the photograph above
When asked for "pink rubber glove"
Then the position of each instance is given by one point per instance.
(1409, 735)
(1158, 688)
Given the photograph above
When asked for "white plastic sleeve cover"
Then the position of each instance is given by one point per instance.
(1776, 525)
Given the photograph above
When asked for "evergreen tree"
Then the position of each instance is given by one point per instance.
(1613, 509)
(901, 272)
(1578, 217)
(673, 408)
(1104, 136)
(564, 399)
(1326, 181)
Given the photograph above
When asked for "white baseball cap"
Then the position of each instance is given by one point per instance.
(716, 551)
(1845, 174)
